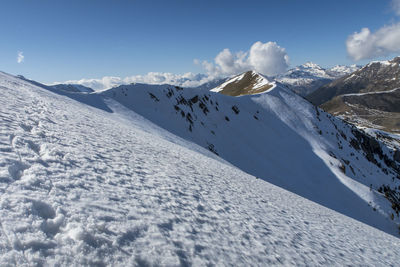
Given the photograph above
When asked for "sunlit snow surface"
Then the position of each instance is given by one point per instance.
(81, 186)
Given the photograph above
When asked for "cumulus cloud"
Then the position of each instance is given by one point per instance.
(267, 58)
(20, 57)
(396, 6)
(367, 45)
(187, 80)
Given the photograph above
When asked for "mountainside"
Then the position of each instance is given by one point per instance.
(308, 77)
(367, 97)
(281, 138)
(247, 83)
(89, 185)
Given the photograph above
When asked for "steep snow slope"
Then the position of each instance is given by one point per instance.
(281, 138)
(83, 186)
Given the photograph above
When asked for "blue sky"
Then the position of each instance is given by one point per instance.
(66, 40)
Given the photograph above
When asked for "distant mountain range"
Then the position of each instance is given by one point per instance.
(308, 77)
(368, 97)
(302, 79)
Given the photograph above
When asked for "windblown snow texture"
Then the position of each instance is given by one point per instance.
(83, 186)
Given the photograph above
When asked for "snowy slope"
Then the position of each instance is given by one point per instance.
(83, 186)
(281, 138)
(341, 70)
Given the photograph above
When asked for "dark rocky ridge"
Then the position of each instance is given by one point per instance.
(246, 85)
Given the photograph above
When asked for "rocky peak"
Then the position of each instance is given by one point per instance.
(247, 83)
(395, 60)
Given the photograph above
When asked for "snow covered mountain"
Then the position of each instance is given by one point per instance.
(85, 180)
(368, 97)
(308, 77)
(342, 70)
(283, 139)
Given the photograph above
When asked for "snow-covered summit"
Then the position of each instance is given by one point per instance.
(342, 70)
(306, 78)
(308, 69)
(310, 65)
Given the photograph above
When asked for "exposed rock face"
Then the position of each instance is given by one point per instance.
(368, 97)
(248, 83)
(397, 156)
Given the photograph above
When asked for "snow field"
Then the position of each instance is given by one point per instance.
(78, 186)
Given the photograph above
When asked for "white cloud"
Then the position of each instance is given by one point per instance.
(20, 57)
(396, 6)
(366, 44)
(267, 58)
(187, 79)
(97, 84)
(229, 63)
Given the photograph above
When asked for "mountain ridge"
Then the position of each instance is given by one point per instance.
(284, 124)
(211, 120)
(367, 97)
(100, 184)
(246, 83)
(308, 77)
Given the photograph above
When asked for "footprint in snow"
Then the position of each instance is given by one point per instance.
(26, 127)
